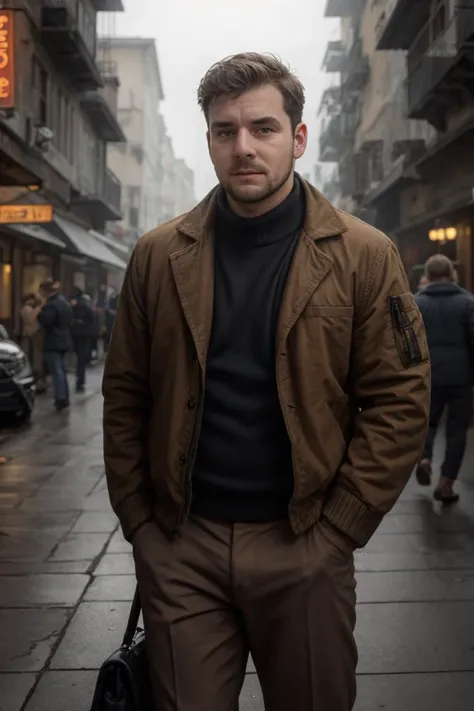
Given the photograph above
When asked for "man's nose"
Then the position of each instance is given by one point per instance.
(243, 147)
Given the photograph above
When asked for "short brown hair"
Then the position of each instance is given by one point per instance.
(238, 73)
(439, 267)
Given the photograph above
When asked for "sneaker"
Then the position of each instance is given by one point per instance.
(423, 472)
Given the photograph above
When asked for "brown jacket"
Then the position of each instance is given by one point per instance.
(351, 364)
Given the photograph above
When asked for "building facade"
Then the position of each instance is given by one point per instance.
(411, 168)
(145, 164)
(57, 115)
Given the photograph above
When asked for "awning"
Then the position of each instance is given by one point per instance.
(36, 232)
(112, 243)
(88, 245)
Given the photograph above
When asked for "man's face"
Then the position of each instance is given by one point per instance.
(252, 145)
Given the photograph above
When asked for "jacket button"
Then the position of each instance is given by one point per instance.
(191, 403)
(182, 459)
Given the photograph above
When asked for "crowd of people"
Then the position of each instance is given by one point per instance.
(53, 327)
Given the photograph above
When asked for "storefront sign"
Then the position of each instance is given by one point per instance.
(25, 214)
(7, 64)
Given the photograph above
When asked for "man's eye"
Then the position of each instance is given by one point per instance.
(225, 134)
(265, 130)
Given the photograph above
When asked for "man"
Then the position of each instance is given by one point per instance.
(82, 332)
(266, 396)
(448, 314)
(56, 318)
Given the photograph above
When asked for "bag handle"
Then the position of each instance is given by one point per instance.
(133, 618)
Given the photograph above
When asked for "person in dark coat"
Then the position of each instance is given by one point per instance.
(448, 314)
(56, 318)
(82, 333)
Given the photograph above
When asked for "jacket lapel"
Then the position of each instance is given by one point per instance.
(193, 271)
(310, 263)
(309, 267)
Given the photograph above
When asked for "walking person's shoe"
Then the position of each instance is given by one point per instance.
(444, 492)
(62, 405)
(423, 472)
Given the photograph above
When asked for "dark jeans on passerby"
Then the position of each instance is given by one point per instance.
(56, 362)
(458, 401)
(81, 349)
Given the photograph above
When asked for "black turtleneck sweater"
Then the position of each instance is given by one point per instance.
(243, 470)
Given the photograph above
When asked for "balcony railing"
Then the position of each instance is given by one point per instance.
(400, 22)
(334, 57)
(112, 191)
(431, 59)
(356, 69)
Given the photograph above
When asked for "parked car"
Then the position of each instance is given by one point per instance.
(17, 383)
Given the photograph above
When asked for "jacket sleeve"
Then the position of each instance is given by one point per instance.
(390, 383)
(47, 316)
(127, 402)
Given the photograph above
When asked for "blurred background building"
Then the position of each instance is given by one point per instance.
(86, 164)
(397, 123)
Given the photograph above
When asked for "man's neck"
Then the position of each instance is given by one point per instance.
(256, 209)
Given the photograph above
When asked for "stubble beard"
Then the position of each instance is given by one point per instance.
(264, 193)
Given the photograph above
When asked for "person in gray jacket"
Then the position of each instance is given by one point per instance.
(448, 314)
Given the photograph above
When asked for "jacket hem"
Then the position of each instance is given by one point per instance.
(132, 513)
(351, 516)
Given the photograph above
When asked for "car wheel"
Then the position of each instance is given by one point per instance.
(24, 415)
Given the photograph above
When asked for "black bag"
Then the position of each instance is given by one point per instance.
(123, 683)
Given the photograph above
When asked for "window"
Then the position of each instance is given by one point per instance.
(40, 90)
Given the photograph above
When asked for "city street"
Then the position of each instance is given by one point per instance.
(66, 580)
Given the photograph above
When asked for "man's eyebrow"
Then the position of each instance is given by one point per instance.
(265, 120)
(221, 124)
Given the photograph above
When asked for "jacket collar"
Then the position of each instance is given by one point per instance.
(321, 219)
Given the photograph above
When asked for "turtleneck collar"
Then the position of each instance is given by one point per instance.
(283, 220)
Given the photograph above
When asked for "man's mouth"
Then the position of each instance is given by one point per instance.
(247, 172)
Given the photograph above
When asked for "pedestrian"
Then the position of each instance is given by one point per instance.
(422, 283)
(82, 333)
(110, 313)
(56, 319)
(448, 314)
(31, 335)
(266, 400)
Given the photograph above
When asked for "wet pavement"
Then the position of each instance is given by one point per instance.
(66, 580)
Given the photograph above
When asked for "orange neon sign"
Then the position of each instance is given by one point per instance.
(7, 65)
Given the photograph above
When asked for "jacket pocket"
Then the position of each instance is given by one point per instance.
(407, 326)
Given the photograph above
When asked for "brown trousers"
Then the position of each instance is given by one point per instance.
(218, 592)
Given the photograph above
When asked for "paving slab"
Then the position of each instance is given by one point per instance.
(100, 522)
(44, 568)
(451, 691)
(118, 544)
(27, 638)
(111, 588)
(116, 564)
(415, 637)
(18, 591)
(26, 546)
(95, 631)
(63, 691)
(391, 562)
(14, 690)
(251, 698)
(80, 546)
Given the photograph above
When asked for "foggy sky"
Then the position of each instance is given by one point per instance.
(193, 34)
